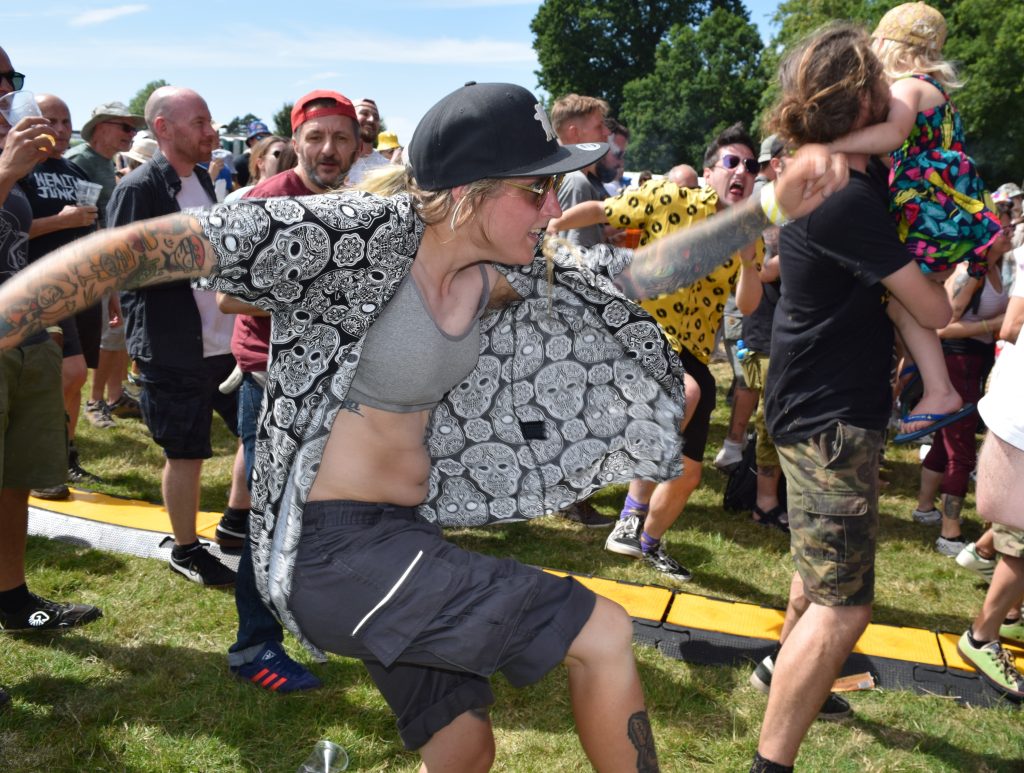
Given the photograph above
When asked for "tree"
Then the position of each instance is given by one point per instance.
(240, 125)
(703, 80)
(137, 105)
(283, 120)
(595, 47)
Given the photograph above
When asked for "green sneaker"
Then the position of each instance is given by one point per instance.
(1013, 631)
(994, 664)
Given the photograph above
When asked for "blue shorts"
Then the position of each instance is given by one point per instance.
(178, 405)
(430, 620)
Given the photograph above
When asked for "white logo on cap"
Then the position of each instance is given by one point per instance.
(589, 146)
(541, 116)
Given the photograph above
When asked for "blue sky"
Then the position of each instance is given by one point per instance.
(255, 56)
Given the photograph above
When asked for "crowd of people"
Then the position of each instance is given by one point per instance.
(452, 333)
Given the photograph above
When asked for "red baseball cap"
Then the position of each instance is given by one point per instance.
(300, 114)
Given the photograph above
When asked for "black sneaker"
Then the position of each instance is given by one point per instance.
(53, 493)
(625, 537)
(76, 474)
(232, 530)
(199, 566)
(44, 615)
(660, 561)
(586, 514)
(835, 706)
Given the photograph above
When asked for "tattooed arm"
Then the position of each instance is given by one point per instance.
(680, 259)
(76, 276)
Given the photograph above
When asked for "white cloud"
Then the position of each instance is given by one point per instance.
(102, 15)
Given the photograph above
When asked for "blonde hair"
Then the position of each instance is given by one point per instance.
(901, 60)
(572, 107)
(432, 206)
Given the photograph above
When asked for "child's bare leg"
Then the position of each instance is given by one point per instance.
(939, 395)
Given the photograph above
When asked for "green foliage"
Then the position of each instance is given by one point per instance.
(595, 47)
(137, 105)
(240, 125)
(703, 80)
(987, 37)
(283, 120)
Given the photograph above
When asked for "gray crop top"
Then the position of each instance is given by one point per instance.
(408, 363)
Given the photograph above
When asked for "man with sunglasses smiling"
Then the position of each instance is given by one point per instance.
(689, 318)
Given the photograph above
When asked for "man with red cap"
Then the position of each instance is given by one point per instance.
(326, 141)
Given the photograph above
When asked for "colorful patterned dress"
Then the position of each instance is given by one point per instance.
(937, 196)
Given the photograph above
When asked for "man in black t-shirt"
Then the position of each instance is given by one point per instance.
(827, 394)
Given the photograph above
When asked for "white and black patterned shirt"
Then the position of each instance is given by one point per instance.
(575, 387)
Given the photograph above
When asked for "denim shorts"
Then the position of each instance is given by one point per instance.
(430, 620)
(177, 405)
(833, 512)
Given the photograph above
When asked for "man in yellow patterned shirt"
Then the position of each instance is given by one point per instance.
(689, 318)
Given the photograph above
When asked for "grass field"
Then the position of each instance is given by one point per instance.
(147, 688)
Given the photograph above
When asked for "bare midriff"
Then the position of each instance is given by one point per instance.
(375, 456)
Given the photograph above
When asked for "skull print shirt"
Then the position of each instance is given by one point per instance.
(575, 387)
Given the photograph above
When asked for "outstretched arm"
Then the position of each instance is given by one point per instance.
(883, 138)
(665, 265)
(578, 216)
(76, 276)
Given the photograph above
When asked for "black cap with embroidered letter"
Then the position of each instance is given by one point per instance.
(491, 130)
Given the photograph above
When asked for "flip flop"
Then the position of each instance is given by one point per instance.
(771, 518)
(938, 421)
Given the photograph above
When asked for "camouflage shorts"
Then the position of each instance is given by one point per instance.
(1007, 541)
(755, 368)
(833, 513)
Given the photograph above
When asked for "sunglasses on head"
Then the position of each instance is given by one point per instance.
(541, 188)
(17, 79)
(730, 161)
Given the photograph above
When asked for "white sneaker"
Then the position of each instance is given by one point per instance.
(969, 558)
(949, 547)
(927, 517)
(729, 456)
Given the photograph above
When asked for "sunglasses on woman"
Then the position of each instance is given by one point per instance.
(541, 188)
(730, 161)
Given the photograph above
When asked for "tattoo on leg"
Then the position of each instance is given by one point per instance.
(639, 732)
(952, 506)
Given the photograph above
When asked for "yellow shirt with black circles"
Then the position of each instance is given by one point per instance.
(690, 316)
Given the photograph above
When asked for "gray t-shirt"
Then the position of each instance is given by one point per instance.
(577, 188)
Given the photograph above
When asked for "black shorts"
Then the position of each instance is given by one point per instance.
(695, 436)
(90, 328)
(430, 620)
(178, 405)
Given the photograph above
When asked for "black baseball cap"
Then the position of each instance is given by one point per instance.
(491, 130)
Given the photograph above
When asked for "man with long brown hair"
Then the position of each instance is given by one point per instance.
(827, 396)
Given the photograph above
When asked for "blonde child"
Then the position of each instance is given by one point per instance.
(937, 195)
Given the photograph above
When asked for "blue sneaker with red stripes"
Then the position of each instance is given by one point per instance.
(273, 670)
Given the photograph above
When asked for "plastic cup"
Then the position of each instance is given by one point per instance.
(326, 757)
(87, 193)
(18, 105)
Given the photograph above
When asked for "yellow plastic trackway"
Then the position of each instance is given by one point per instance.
(645, 602)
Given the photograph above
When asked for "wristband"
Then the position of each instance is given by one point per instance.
(985, 327)
(770, 206)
